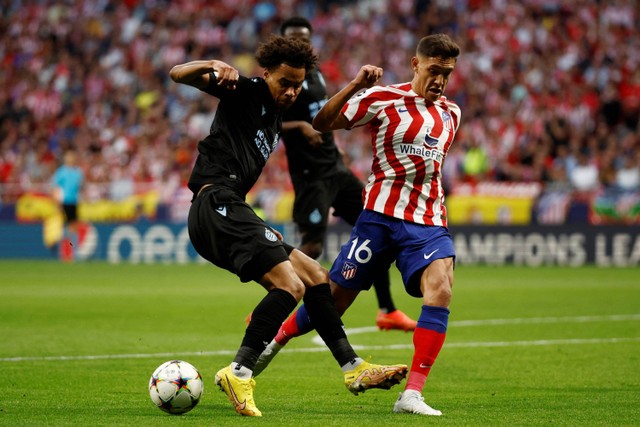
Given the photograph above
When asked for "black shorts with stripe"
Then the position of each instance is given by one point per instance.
(314, 198)
(226, 231)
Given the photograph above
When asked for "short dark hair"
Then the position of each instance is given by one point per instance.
(295, 21)
(438, 46)
(278, 50)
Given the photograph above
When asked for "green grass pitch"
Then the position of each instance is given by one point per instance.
(546, 346)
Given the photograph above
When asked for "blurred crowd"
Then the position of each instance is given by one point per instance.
(549, 90)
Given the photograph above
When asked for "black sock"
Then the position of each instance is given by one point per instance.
(382, 286)
(326, 320)
(265, 321)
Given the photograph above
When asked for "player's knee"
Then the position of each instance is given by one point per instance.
(284, 276)
(443, 289)
(318, 273)
(297, 290)
(315, 273)
(438, 288)
(295, 287)
(310, 271)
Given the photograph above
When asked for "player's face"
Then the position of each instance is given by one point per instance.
(431, 76)
(285, 83)
(298, 32)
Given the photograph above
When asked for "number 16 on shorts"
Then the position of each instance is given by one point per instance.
(362, 254)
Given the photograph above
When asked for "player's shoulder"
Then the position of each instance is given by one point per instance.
(398, 89)
(251, 81)
(448, 105)
(404, 88)
(388, 92)
(249, 88)
(244, 84)
(254, 80)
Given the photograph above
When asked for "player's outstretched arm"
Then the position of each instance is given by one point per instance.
(196, 73)
(329, 117)
(310, 134)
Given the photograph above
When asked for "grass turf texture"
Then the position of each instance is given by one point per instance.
(558, 357)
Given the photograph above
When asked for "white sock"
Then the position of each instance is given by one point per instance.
(241, 371)
(273, 346)
(352, 365)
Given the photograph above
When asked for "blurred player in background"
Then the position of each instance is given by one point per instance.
(321, 180)
(67, 183)
(412, 125)
(226, 231)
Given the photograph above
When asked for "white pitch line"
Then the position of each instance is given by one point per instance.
(516, 321)
(367, 329)
(477, 344)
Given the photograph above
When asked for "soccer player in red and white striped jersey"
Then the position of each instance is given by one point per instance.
(410, 138)
(412, 125)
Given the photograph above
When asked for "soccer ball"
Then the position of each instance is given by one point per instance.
(176, 387)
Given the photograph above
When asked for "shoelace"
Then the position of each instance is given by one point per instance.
(249, 385)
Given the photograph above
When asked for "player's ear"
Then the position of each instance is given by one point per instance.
(414, 63)
(265, 75)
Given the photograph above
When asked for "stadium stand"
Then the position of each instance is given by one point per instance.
(550, 91)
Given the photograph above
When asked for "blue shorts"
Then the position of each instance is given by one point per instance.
(378, 240)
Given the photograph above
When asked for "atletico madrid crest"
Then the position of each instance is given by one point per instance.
(446, 121)
(349, 270)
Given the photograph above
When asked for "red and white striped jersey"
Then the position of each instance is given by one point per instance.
(410, 137)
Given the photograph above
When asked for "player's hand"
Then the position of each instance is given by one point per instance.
(368, 76)
(313, 136)
(226, 75)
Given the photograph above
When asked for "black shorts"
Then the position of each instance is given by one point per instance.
(70, 213)
(313, 198)
(225, 231)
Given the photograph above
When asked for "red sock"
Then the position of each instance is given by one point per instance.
(427, 343)
(297, 324)
(288, 330)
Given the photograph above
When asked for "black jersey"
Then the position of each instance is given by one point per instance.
(304, 159)
(243, 134)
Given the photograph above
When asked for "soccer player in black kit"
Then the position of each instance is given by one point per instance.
(226, 231)
(321, 180)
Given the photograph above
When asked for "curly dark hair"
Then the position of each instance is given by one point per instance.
(278, 50)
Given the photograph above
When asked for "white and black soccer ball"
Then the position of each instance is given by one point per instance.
(176, 387)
